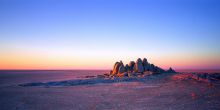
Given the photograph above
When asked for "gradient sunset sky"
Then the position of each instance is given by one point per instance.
(93, 34)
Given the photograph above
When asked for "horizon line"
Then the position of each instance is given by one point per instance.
(91, 69)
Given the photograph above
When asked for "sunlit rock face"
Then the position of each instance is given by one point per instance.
(140, 67)
(116, 68)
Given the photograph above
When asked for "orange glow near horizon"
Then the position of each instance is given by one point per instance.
(47, 61)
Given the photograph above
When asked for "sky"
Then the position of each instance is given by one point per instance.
(94, 34)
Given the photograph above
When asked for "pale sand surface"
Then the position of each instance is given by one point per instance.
(161, 93)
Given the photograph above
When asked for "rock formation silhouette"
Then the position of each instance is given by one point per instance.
(140, 67)
(170, 70)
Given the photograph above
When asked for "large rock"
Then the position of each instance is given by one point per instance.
(136, 68)
(151, 67)
(170, 70)
(131, 66)
(146, 65)
(116, 68)
(127, 68)
(121, 69)
(139, 66)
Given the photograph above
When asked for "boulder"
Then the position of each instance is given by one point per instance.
(127, 68)
(131, 66)
(136, 68)
(145, 61)
(129, 74)
(148, 73)
(116, 68)
(170, 70)
(126, 74)
(152, 67)
(139, 66)
(121, 69)
(146, 65)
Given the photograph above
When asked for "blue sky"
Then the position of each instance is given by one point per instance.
(110, 30)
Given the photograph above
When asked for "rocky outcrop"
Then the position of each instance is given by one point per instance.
(211, 78)
(159, 70)
(139, 66)
(170, 70)
(131, 66)
(127, 68)
(136, 68)
(146, 65)
(121, 69)
(115, 68)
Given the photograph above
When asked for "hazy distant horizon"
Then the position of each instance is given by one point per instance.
(177, 70)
